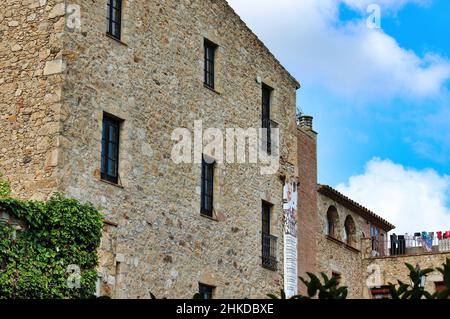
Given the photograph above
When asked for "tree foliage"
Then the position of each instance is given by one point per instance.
(416, 290)
(329, 289)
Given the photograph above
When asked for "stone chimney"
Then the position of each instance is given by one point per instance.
(305, 122)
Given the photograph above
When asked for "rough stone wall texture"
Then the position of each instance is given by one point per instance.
(390, 269)
(336, 256)
(55, 87)
(30, 92)
(307, 204)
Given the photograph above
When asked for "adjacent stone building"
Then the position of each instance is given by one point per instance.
(91, 93)
(339, 237)
(343, 225)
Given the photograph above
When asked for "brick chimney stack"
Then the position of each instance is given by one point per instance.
(307, 197)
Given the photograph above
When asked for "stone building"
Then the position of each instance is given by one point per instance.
(339, 237)
(91, 93)
(343, 224)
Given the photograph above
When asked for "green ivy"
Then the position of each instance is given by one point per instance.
(35, 263)
(5, 189)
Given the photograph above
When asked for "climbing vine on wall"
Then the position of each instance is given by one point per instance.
(42, 261)
(5, 189)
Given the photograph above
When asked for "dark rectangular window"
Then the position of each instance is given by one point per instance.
(210, 55)
(114, 18)
(266, 209)
(205, 291)
(269, 242)
(266, 95)
(207, 190)
(110, 149)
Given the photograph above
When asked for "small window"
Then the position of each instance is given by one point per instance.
(332, 221)
(349, 230)
(205, 291)
(266, 106)
(210, 56)
(114, 18)
(110, 149)
(375, 236)
(207, 188)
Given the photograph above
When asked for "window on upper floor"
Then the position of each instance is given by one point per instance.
(109, 168)
(266, 121)
(349, 230)
(209, 65)
(114, 18)
(375, 236)
(332, 222)
(207, 186)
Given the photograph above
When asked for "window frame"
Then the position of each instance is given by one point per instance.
(266, 106)
(114, 19)
(207, 193)
(209, 293)
(209, 65)
(375, 237)
(109, 121)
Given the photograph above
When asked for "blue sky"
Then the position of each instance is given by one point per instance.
(380, 97)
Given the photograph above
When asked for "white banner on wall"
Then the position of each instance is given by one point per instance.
(290, 192)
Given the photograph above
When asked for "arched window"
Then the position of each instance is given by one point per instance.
(332, 221)
(349, 230)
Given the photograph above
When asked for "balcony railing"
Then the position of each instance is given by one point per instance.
(269, 251)
(409, 245)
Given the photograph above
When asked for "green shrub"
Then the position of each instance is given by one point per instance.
(414, 291)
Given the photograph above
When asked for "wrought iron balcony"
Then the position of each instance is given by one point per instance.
(269, 251)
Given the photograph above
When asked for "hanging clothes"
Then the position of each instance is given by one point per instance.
(439, 235)
(427, 242)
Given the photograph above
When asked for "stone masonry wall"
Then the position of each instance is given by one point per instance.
(382, 271)
(153, 80)
(30, 93)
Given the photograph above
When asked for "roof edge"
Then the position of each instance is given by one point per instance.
(296, 82)
(354, 206)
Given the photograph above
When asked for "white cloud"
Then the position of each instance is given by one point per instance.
(413, 200)
(388, 5)
(348, 58)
